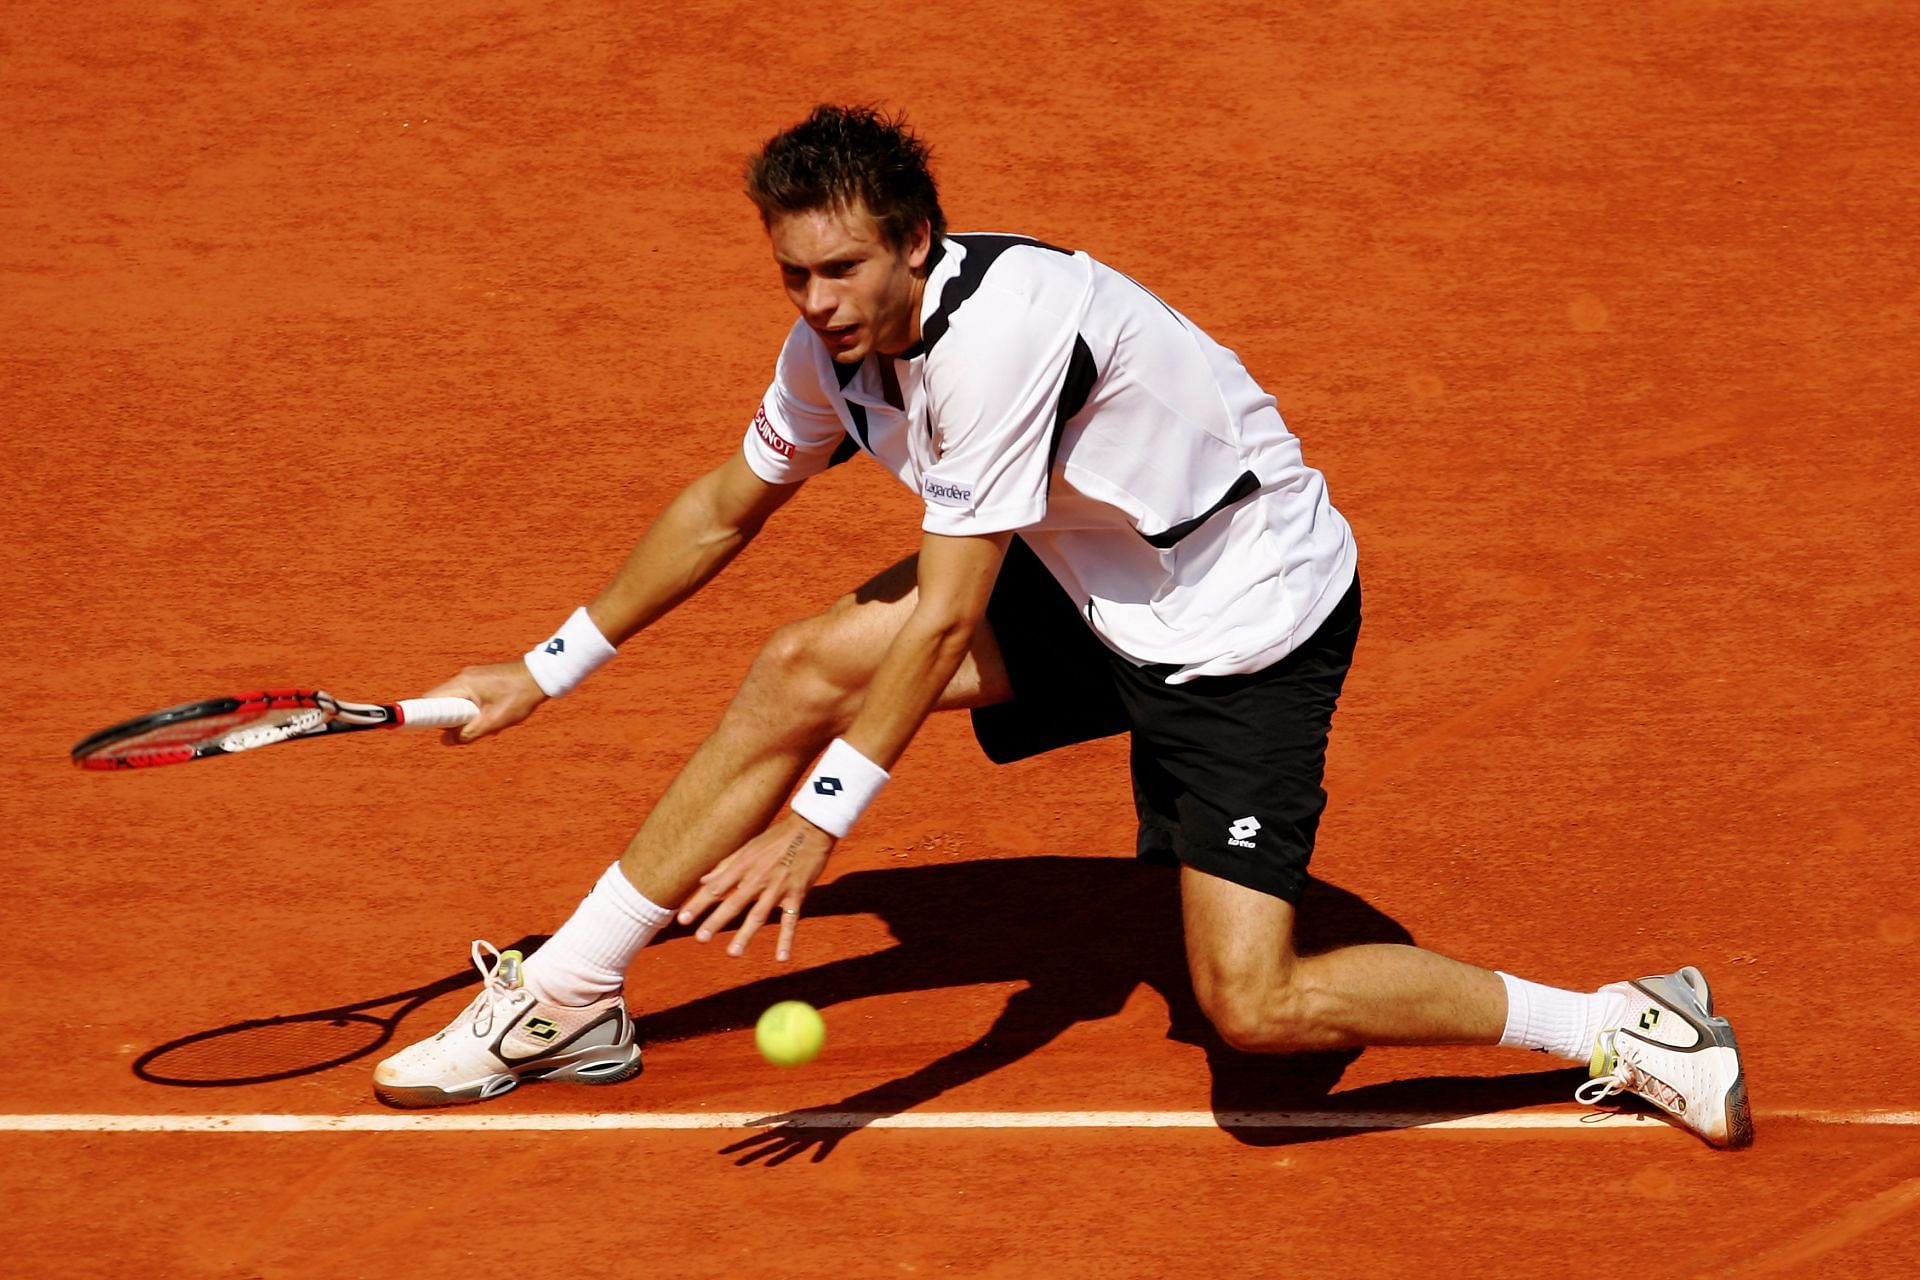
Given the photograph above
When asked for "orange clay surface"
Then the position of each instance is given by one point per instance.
(347, 344)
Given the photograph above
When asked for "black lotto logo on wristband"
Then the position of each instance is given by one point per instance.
(839, 789)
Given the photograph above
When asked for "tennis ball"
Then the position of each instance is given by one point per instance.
(790, 1034)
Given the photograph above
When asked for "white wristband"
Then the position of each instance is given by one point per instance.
(839, 789)
(570, 657)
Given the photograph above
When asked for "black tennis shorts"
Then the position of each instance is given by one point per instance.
(1226, 769)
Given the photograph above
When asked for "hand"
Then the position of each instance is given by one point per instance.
(506, 694)
(774, 869)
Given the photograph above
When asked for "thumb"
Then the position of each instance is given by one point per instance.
(454, 688)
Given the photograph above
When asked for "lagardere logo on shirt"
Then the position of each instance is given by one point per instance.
(946, 492)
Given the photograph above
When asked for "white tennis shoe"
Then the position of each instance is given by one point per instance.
(1673, 1052)
(506, 1036)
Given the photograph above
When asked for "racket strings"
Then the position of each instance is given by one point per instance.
(274, 727)
(227, 725)
(186, 733)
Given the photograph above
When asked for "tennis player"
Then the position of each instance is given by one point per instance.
(1120, 536)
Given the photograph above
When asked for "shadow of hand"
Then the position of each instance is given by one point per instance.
(790, 1137)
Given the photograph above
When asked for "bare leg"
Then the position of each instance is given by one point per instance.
(806, 686)
(1264, 998)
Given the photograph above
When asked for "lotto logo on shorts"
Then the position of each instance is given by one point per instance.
(1240, 835)
(768, 436)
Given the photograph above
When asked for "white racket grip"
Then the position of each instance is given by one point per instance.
(435, 713)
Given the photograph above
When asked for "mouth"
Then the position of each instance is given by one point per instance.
(839, 335)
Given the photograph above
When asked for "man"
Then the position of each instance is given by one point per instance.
(1120, 535)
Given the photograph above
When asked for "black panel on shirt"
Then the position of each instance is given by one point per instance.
(843, 374)
(1245, 485)
(982, 252)
(847, 447)
(1081, 375)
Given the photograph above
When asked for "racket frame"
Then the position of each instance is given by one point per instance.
(328, 716)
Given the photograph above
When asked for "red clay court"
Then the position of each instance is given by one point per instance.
(348, 344)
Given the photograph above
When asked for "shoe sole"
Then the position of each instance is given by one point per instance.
(1739, 1115)
(598, 1066)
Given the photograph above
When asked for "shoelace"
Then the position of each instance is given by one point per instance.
(1618, 1079)
(498, 986)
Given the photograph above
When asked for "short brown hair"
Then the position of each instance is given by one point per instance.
(844, 157)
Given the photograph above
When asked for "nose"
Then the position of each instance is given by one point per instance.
(820, 300)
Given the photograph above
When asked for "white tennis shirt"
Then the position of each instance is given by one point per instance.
(1052, 395)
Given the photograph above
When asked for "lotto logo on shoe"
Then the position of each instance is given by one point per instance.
(541, 1028)
(768, 436)
(1240, 835)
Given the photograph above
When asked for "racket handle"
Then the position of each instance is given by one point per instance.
(435, 713)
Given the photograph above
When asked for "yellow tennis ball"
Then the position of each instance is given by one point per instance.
(790, 1034)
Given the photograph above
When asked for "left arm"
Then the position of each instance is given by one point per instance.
(777, 867)
(956, 577)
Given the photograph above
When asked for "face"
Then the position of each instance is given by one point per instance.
(857, 292)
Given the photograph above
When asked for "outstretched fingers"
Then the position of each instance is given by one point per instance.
(773, 871)
(789, 924)
(756, 916)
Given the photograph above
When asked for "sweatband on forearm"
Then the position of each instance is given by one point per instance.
(839, 789)
(570, 657)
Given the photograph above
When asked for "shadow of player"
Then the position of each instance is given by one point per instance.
(1080, 935)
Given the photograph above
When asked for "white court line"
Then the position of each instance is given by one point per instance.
(494, 1122)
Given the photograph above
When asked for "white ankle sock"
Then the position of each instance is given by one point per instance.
(1563, 1023)
(587, 957)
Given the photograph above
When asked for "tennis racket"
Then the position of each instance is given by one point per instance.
(244, 722)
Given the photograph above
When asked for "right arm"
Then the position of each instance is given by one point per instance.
(699, 533)
(701, 530)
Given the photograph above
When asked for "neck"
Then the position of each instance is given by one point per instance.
(919, 295)
(916, 292)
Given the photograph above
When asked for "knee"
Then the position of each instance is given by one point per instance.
(795, 677)
(1257, 1016)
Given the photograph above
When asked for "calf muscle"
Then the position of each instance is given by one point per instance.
(1263, 997)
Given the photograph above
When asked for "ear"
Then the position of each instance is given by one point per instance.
(920, 245)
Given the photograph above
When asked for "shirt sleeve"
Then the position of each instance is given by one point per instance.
(796, 429)
(994, 386)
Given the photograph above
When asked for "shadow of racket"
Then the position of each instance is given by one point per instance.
(262, 1050)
